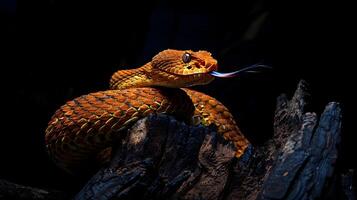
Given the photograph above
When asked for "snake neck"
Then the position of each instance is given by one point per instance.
(132, 78)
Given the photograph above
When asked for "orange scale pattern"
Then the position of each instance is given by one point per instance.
(87, 126)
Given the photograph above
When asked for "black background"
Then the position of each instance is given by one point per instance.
(55, 51)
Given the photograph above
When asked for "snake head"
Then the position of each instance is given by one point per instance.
(183, 68)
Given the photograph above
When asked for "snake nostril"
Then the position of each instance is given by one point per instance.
(189, 67)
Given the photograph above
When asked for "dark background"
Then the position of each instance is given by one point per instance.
(54, 51)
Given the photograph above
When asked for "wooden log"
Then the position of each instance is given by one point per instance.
(162, 158)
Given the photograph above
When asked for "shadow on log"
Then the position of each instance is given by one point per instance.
(162, 158)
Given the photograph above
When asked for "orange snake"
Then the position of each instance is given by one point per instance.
(89, 124)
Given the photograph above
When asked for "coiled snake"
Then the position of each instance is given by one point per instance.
(91, 123)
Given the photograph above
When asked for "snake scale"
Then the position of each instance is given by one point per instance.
(90, 124)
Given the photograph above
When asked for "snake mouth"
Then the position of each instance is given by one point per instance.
(196, 74)
(172, 79)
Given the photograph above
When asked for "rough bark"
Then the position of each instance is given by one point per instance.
(162, 158)
(299, 158)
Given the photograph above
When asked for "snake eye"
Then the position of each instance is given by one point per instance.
(186, 57)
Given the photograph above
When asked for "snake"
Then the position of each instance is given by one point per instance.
(89, 125)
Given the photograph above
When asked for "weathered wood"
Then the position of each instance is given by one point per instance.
(295, 163)
(162, 158)
(10, 190)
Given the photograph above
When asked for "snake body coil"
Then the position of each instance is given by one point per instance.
(89, 124)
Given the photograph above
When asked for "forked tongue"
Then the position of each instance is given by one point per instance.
(251, 69)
